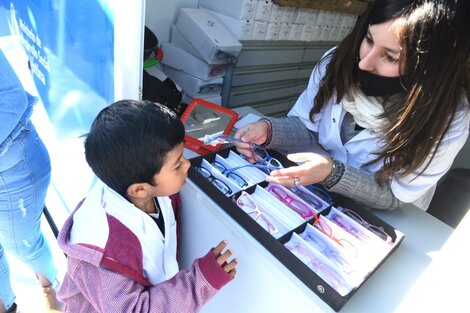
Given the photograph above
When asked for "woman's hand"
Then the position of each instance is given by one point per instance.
(256, 132)
(222, 258)
(314, 169)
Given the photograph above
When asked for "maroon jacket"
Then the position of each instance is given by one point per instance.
(112, 279)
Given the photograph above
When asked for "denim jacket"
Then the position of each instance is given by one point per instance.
(16, 105)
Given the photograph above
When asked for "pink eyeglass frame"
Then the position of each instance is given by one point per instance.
(303, 210)
(272, 228)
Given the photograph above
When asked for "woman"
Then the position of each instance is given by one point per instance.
(24, 178)
(389, 107)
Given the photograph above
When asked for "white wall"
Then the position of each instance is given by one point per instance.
(161, 14)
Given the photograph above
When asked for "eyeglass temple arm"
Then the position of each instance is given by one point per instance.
(231, 170)
(208, 139)
(323, 192)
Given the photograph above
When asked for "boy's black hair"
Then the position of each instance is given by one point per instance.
(129, 140)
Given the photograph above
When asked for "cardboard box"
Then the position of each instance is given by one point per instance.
(178, 40)
(296, 31)
(323, 18)
(263, 10)
(317, 33)
(325, 34)
(240, 29)
(305, 16)
(288, 14)
(356, 7)
(276, 14)
(186, 62)
(239, 9)
(285, 31)
(358, 230)
(272, 33)
(259, 30)
(343, 32)
(212, 99)
(193, 86)
(307, 32)
(208, 36)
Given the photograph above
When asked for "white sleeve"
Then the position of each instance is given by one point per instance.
(304, 103)
(412, 187)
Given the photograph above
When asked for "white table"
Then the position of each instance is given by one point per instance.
(421, 273)
(420, 276)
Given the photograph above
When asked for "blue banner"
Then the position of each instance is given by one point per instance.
(70, 45)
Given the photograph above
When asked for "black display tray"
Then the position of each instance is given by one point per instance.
(276, 246)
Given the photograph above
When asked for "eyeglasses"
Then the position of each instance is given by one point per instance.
(241, 182)
(266, 168)
(301, 208)
(320, 192)
(209, 88)
(222, 186)
(379, 231)
(307, 197)
(344, 224)
(261, 153)
(323, 226)
(323, 270)
(248, 204)
(322, 246)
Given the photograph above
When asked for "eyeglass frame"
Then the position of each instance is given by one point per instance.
(229, 172)
(322, 246)
(326, 229)
(260, 214)
(346, 225)
(376, 230)
(288, 200)
(201, 169)
(314, 189)
(314, 202)
(317, 265)
(350, 228)
(268, 159)
(261, 166)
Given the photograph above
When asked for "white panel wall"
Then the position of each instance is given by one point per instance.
(160, 14)
(127, 65)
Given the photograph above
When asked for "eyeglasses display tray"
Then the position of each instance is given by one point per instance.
(329, 242)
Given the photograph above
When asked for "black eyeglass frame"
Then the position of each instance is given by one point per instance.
(208, 175)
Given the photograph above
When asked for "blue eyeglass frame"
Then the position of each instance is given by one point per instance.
(242, 183)
(321, 193)
(261, 166)
(228, 139)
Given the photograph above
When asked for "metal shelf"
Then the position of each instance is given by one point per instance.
(270, 75)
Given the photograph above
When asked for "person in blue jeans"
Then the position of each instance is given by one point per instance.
(24, 178)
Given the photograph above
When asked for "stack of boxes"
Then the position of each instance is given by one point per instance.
(265, 20)
(198, 54)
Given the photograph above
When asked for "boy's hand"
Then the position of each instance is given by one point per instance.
(221, 259)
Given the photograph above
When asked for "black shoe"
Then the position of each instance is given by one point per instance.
(12, 309)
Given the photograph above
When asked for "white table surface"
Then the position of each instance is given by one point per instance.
(422, 273)
(429, 272)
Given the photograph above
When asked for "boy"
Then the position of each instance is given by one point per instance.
(121, 239)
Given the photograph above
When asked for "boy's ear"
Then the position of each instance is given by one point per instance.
(137, 190)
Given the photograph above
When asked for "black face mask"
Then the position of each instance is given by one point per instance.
(377, 86)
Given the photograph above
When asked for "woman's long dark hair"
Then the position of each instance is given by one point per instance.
(436, 45)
